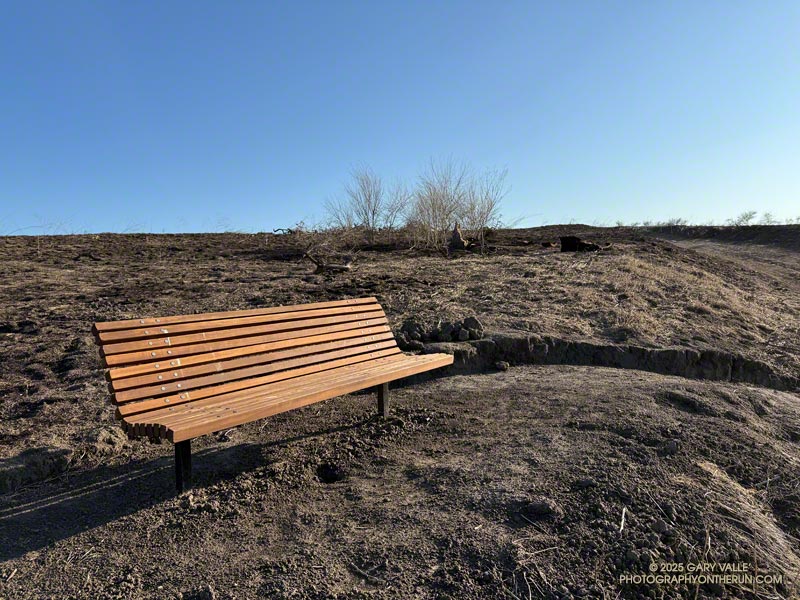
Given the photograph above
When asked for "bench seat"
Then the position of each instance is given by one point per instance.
(177, 378)
(193, 419)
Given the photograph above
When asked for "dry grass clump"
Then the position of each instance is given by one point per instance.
(752, 524)
(626, 295)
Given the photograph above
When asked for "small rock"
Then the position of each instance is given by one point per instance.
(206, 593)
(541, 508)
(445, 333)
(501, 365)
(413, 329)
(473, 323)
(659, 526)
(671, 447)
(415, 346)
(585, 483)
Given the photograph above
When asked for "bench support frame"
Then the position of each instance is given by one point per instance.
(183, 466)
(383, 400)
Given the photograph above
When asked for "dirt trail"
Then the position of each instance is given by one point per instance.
(778, 264)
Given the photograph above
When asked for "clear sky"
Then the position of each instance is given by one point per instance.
(197, 116)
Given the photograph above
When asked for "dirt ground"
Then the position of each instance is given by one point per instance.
(541, 481)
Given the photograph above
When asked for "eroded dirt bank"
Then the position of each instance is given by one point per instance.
(498, 350)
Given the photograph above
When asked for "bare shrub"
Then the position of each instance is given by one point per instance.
(768, 219)
(440, 195)
(673, 222)
(397, 205)
(480, 208)
(744, 218)
(450, 193)
(447, 192)
(365, 195)
(340, 213)
(368, 204)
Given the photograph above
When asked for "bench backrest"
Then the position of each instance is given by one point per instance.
(164, 361)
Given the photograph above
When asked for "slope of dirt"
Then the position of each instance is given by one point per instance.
(510, 485)
(503, 485)
(640, 291)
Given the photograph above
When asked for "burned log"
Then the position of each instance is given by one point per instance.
(457, 241)
(323, 267)
(571, 243)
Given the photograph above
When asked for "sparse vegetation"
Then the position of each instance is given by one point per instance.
(367, 204)
(447, 193)
(742, 219)
(441, 192)
(480, 209)
(767, 219)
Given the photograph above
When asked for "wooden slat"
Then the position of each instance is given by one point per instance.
(249, 398)
(170, 320)
(242, 362)
(256, 397)
(329, 390)
(119, 360)
(131, 408)
(177, 386)
(239, 332)
(195, 359)
(197, 408)
(201, 326)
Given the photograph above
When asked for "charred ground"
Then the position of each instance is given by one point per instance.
(484, 485)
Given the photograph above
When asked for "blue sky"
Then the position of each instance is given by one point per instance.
(198, 116)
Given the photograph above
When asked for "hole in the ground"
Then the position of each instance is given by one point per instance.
(330, 473)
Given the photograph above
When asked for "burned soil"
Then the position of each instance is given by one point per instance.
(489, 484)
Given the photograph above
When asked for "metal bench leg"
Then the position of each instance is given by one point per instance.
(383, 400)
(183, 465)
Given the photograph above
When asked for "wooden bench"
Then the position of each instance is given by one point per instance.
(180, 377)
